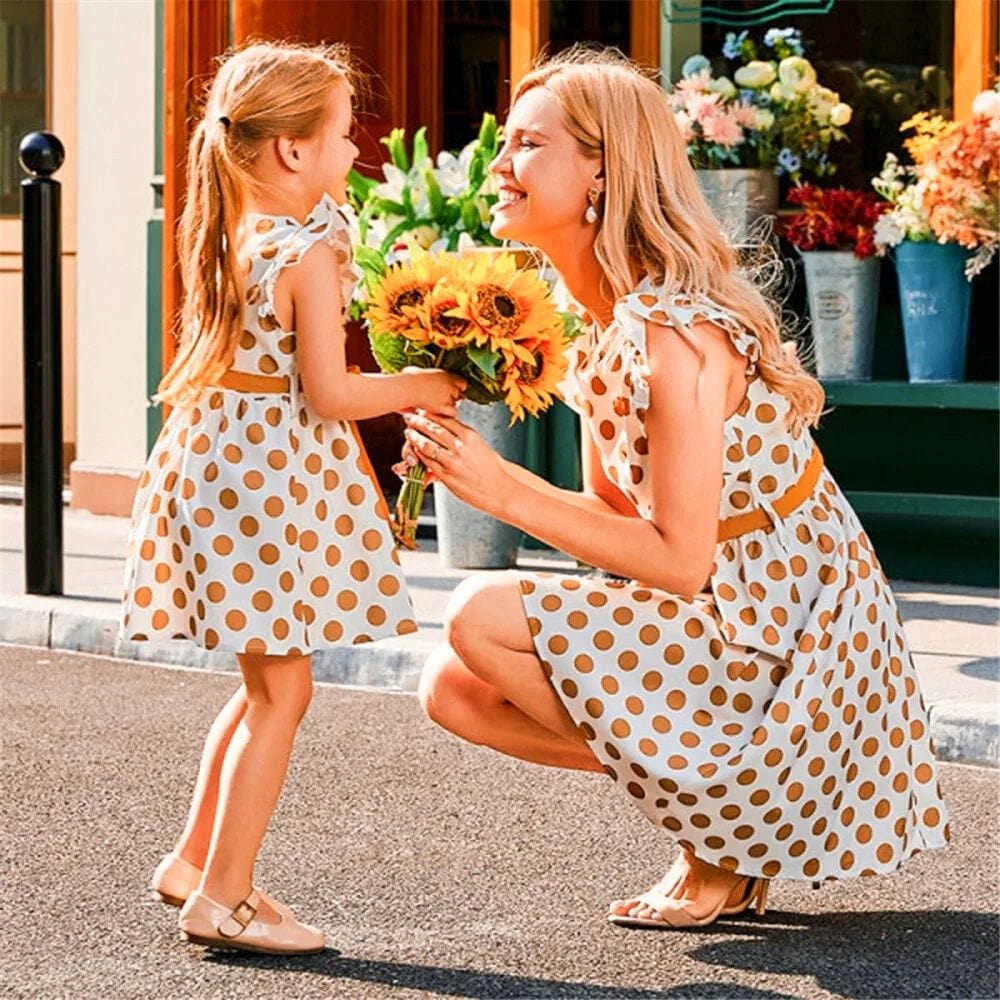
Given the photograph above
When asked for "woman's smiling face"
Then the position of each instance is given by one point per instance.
(542, 175)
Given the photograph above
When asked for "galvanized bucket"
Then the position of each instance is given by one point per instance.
(843, 303)
(468, 538)
(739, 196)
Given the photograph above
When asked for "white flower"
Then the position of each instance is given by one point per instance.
(840, 114)
(889, 231)
(796, 74)
(763, 119)
(755, 74)
(392, 187)
(779, 93)
(987, 103)
(722, 86)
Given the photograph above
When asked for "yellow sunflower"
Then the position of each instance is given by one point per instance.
(396, 300)
(532, 373)
(506, 303)
(441, 321)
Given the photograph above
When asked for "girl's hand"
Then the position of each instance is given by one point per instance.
(457, 456)
(438, 391)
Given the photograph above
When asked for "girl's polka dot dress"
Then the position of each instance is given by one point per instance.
(773, 725)
(259, 527)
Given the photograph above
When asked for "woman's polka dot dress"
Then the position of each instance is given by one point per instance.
(259, 527)
(774, 724)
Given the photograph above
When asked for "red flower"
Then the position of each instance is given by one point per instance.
(833, 219)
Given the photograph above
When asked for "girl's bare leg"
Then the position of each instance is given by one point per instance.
(278, 692)
(192, 844)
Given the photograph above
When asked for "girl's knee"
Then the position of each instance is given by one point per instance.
(282, 687)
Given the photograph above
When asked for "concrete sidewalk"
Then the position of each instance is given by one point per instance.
(953, 631)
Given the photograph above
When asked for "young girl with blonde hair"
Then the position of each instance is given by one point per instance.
(258, 528)
(743, 676)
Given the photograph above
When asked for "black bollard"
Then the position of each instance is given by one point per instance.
(42, 155)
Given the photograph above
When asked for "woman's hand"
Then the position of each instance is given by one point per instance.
(457, 456)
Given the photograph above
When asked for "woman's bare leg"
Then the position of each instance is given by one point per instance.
(278, 691)
(489, 686)
(192, 845)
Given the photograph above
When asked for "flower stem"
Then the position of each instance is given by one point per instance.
(411, 499)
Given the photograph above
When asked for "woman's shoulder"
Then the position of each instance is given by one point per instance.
(655, 303)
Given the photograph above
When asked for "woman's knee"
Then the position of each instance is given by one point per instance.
(475, 607)
(450, 696)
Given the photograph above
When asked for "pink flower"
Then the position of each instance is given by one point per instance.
(695, 83)
(723, 129)
(683, 120)
(703, 107)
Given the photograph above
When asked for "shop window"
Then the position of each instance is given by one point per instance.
(886, 58)
(476, 65)
(22, 90)
(604, 22)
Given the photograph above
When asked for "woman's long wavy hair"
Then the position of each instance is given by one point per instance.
(261, 91)
(655, 215)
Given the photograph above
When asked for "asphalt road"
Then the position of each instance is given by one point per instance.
(436, 868)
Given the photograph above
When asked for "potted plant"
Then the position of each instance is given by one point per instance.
(834, 234)
(942, 229)
(769, 118)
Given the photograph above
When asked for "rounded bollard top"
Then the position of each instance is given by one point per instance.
(41, 153)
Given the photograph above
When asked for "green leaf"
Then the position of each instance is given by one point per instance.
(397, 150)
(484, 359)
(572, 327)
(360, 186)
(477, 173)
(389, 351)
(408, 202)
(395, 233)
(434, 194)
(488, 132)
(386, 206)
(420, 145)
(478, 393)
(470, 216)
(370, 259)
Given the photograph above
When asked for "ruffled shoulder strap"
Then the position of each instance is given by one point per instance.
(681, 309)
(332, 223)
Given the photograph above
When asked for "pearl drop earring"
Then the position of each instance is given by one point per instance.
(591, 214)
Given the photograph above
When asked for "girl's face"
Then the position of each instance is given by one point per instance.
(542, 175)
(332, 152)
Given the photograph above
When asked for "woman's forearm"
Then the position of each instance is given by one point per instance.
(585, 501)
(595, 533)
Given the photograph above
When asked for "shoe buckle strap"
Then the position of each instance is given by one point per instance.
(238, 921)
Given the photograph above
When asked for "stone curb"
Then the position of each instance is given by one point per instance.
(963, 731)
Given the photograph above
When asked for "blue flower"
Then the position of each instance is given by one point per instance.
(789, 161)
(790, 37)
(694, 65)
(733, 47)
(748, 96)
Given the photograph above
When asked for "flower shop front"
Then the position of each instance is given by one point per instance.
(819, 97)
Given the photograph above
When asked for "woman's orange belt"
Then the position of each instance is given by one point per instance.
(793, 497)
(248, 382)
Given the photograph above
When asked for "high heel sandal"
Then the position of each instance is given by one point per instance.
(672, 914)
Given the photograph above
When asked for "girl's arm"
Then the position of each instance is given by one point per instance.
(333, 392)
(673, 550)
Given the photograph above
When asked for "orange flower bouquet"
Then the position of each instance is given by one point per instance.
(480, 316)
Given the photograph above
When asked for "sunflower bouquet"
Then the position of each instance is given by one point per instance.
(480, 316)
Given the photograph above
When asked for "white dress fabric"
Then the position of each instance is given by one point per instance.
(259, 527)
(773, 724)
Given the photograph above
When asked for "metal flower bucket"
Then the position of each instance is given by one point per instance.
(468, 538)
(843, 304)
(739, 196)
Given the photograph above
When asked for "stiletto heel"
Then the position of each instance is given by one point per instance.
(761, 890)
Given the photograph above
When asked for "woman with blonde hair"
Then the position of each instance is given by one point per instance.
(742, 674)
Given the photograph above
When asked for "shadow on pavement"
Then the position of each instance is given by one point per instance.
(877, 955)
